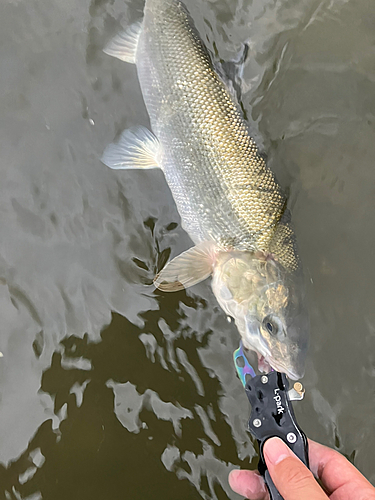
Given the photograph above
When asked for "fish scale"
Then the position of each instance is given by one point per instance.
(233, 197)
(228, 199)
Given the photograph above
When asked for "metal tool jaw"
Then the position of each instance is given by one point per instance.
(271, 413)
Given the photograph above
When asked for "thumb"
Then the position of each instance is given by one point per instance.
(291, 477)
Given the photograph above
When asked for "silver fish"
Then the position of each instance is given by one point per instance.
(228, 199)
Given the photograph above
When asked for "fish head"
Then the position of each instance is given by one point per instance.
(266, 302)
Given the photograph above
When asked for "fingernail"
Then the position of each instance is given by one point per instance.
(275, 450)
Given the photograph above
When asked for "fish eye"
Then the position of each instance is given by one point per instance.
(272, 325)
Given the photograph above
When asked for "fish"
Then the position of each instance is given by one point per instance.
(228, 199)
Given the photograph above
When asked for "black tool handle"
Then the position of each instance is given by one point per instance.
(272, 415)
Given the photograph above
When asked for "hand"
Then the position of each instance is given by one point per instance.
(294, 481)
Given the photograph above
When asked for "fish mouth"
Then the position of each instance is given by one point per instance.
(265, 365)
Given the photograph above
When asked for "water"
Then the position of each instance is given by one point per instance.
(109, 390)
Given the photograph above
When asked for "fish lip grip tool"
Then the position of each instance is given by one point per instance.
(272, 413)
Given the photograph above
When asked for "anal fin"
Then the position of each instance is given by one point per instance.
(124, 44)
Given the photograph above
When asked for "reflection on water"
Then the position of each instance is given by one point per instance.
(138, 402)
(109, 389)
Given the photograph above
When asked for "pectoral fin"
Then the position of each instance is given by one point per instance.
(124, 45)
(136, 148)
(187, 269)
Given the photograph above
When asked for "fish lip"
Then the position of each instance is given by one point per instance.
(266, 355)
(290, 373)
(260, 346)
(293, 375)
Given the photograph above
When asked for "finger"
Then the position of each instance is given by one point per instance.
(335, 471)
(248, 484)
(291, 477)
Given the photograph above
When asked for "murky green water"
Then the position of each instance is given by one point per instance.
(108, 389)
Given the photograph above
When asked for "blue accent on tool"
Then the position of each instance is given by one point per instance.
(242, 365)
(271, 414)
